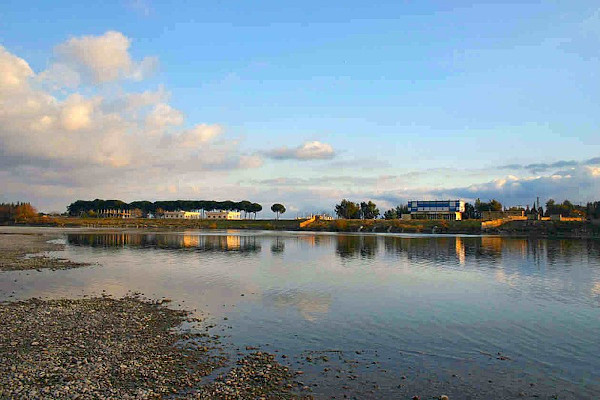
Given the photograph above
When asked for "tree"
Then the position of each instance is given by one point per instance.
(347, 210)
(369, 210)
(470, 212)
(278, 208)
(24, 211)
(390, 214)
(402, 210)
(16, 212)
(493, 205)
(254, 208)
(245, 206)
(550, 205)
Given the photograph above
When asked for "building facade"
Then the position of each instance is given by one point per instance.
(114, 213)
(436, 209)
(181, 215)
(223, 215)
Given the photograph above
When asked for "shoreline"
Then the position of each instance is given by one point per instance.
(105, 347)
(529, 229)
(248, 374)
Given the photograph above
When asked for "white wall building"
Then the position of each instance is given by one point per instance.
(182, 215)
(223, 215)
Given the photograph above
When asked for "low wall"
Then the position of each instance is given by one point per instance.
(501, 221)
(559, 217)
(307, 222)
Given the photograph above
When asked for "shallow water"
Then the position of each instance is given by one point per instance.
(369, 316)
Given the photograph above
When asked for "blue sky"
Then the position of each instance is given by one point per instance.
(404, 100)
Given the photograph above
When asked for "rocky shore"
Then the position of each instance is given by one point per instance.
(104, 348)
(25, 252)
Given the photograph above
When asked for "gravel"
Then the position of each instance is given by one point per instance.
(25, 252)
(257, 376)
(105, 348)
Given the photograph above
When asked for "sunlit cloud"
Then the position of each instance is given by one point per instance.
(308, 151)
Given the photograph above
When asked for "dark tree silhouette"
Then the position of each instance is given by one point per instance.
(278, 208)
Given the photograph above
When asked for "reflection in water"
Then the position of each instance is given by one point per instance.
(310, 304)
(278, 245)
(441, 248)
(356, 245)
(168, 241)
(445, 299)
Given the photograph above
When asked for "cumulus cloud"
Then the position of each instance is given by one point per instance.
(96, 59)
(197, 136)
(50, 135)
(308, 151)
(163, 115)
(76, 113)
(14, 71)
(578, 184)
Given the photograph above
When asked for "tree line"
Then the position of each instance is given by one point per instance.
(350, 210)
(90, 208)
(13, 212)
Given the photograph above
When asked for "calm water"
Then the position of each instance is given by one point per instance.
(370, 316)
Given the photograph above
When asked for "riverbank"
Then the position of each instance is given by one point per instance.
(103, 347)
(540, 229)
(26, 252)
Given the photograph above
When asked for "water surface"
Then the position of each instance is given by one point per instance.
(370, 316)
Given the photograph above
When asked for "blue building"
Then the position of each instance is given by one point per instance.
(436, 209)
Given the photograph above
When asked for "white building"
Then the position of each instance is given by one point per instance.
(182, 215)
(223, 215)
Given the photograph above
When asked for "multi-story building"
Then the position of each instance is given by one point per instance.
(436, 209)
(182, 215)
(114, 213)
(223, 215)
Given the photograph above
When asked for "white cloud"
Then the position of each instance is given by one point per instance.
(198, 135)
(58, 76)
(14, 71)
(114, 142)
(163, 115)
(96, 59)
(76, 112)
(253, 161)
(308, 151)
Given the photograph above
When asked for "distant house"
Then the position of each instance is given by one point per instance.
(436, 209)
(223, 215)
(114, 213)
(182, 215)
(322, 217)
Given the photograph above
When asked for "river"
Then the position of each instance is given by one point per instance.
(366, 315)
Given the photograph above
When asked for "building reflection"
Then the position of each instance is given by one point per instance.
(167, 241)
(522, 252)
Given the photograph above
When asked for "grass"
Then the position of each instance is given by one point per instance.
(411, 226)
(258, 224)
(472, 226)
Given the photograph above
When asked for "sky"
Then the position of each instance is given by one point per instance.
(302, 103)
